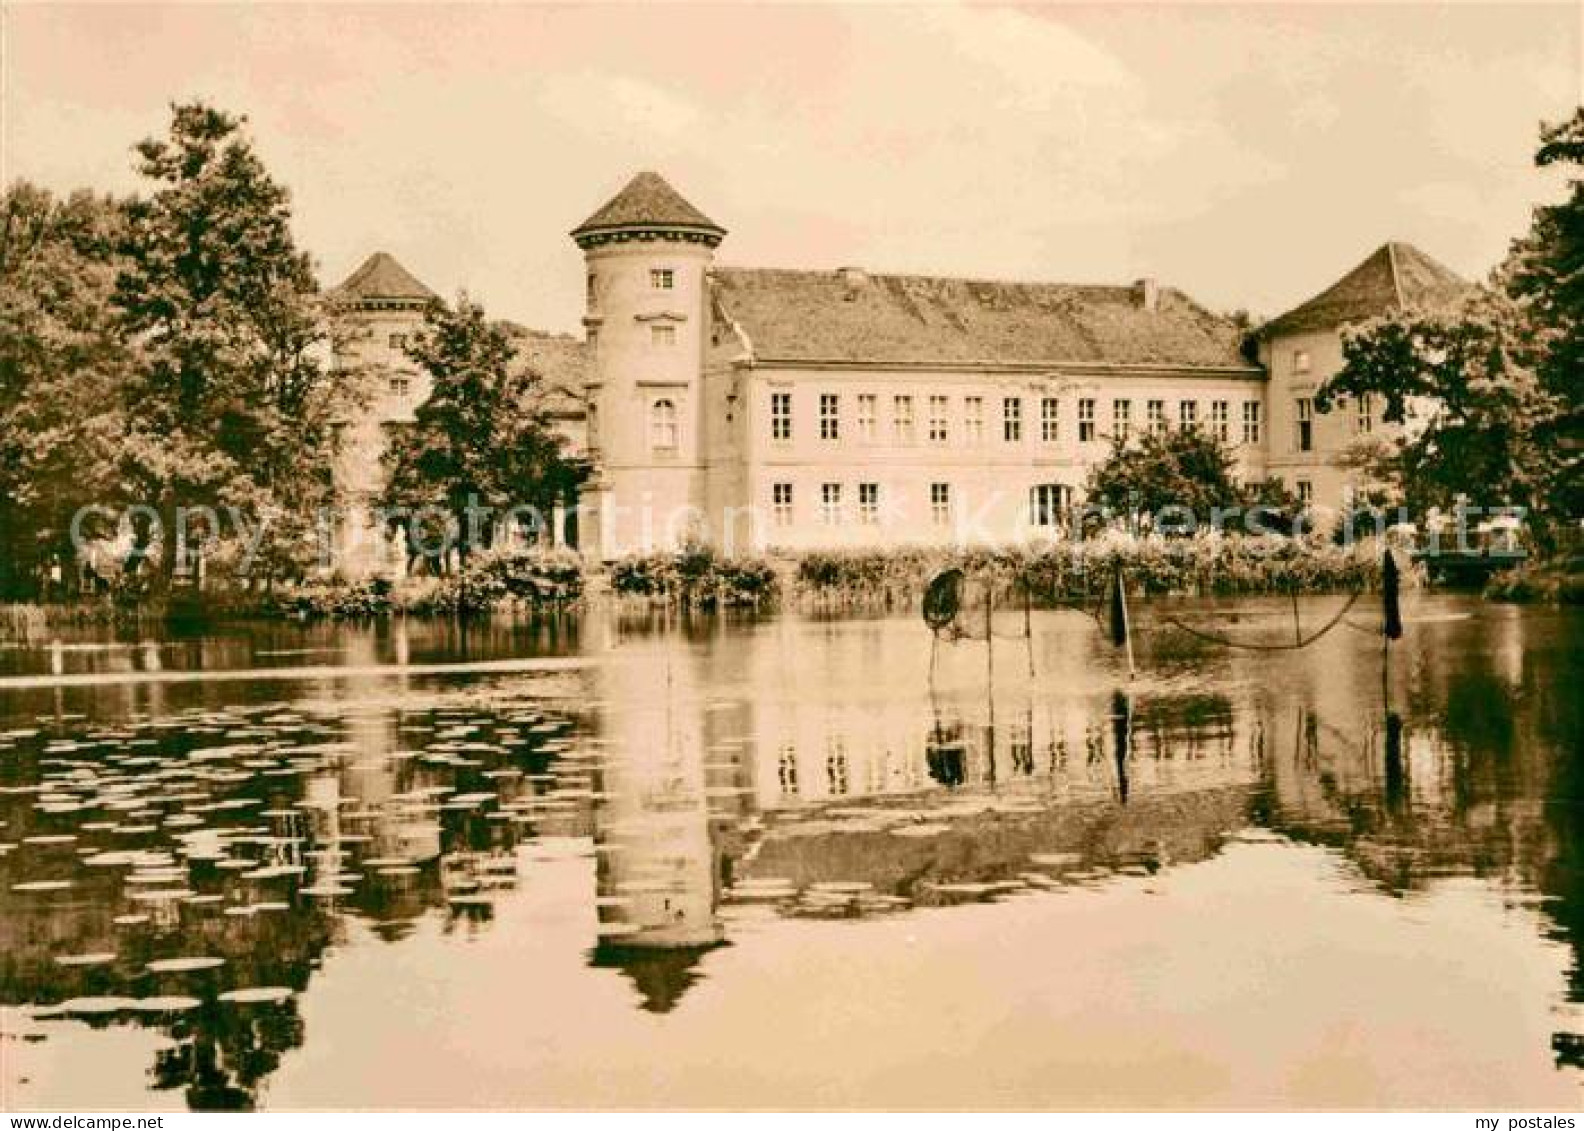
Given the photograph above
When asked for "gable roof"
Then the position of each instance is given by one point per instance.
(647, 201)
(848, 316)
(1394, 276)
(382, 278)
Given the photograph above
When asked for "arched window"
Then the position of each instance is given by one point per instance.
(663, 427)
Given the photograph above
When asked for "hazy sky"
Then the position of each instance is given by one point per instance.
(1247, 155)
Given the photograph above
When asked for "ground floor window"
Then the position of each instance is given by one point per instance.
(781, 503)
(830, 503)
(940, 503)
(868, 503)
(1047, 503)
(1305, 492)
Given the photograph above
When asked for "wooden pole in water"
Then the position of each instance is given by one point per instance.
(990, 673)
(1028, 624)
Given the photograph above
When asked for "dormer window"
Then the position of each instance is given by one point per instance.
(662, 279)
(662, 335)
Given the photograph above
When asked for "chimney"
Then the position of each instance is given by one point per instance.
(1148, 294)
(853, 279)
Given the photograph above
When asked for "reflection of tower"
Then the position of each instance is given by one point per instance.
(658, 873)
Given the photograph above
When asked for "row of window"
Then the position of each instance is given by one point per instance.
(1047, 503)
(940, 421)
(660, 279)
(1304, 417)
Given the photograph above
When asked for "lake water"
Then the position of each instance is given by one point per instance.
(793, 861)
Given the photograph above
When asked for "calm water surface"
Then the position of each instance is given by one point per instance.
(774, 862)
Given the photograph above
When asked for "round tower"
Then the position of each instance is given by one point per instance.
(647, 252)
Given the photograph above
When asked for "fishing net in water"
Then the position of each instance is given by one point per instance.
(956, 608)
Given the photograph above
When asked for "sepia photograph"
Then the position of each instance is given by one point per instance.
(791, 557)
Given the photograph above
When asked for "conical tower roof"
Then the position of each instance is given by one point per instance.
(382, 280)
(1393, 277)
(647, 207)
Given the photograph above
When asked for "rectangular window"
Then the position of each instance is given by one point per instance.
(1305, 421)
(663, 334)
(903, 430)
(662, 278)
(1050, 420)
(830, 416)
(868, 503)
(398, 341)
(1086, 420)
(592, 290)
(1300, 361)
(1047, 502)
(830, 504)
(1366, 413)
(1220, 421)
(1188, 414)
(1155, 416)
(941, 503)
(1121, 420)
(938, 408)
(1305, 492)
(866, 417)
(400, 386)
(1251, 422)
(1012, 419)
(780, 416)
(781, 503)
(973, 419)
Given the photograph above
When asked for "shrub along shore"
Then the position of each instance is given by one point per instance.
(833, 581)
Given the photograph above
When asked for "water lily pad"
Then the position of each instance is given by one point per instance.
(184, 965)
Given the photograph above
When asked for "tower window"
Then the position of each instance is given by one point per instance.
(1012, 419)
(1050, 420)
(1086, 420)
(1304, 438)
(663, 427)
(662, 278)
(830, 416)
(780, 416)
(662, 335)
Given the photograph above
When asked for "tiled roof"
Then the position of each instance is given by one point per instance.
(1394, 276)
(647, 201)
(848, 316)
(562, 363)
(382, 278)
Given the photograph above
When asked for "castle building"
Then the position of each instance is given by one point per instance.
(775, 409)
(760, 409)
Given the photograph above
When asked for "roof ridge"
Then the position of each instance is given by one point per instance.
(971, 279)
(1396, 273)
